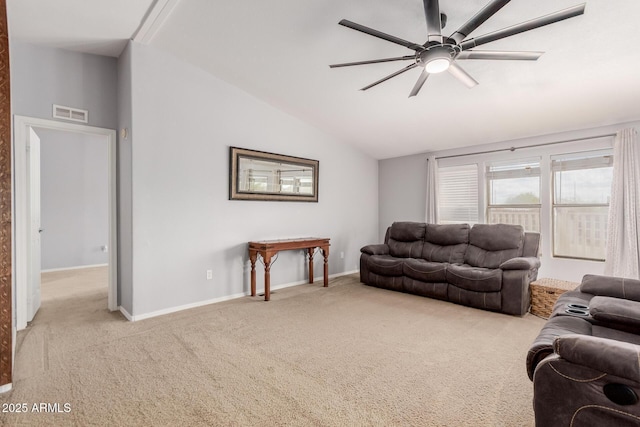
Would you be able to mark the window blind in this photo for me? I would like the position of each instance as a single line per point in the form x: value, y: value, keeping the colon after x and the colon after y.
x: 571, y: 162
x: 458, y: 194
x: 517, y: 169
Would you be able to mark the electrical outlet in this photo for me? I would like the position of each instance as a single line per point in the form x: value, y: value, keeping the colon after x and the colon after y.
x: 341, y: 255
x: 209, y: 274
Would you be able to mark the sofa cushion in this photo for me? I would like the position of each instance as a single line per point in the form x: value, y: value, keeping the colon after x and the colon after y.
x: 474, y: 278
x: 424, y: 271
x: 445, y: 243
x: 616, y: 310
x: 406, y: 239
x: 492, y: 244
x: 616, y: 287
x: 531, y: 245
x: 447, y: 234
x: 385, y: 265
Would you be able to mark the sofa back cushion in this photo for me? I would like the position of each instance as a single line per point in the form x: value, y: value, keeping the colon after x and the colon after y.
x: 616, y: 287
x: 492, y: 244
x: 445, y: 243
x: 531, y: 247
x: 406, y: 239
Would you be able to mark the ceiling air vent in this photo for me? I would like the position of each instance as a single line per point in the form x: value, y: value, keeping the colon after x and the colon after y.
x: 68, y: 113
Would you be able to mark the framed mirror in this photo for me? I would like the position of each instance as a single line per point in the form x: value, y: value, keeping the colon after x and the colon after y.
x: 257, y: 175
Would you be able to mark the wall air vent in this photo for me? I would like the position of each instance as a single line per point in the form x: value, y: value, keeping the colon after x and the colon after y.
x: 68, y: 113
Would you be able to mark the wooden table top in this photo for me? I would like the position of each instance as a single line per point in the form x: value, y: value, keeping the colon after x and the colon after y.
x: 296, y: 239
x: 295, y: 242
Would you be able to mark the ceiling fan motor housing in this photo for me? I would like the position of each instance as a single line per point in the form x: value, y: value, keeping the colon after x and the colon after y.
x: 437, y: 57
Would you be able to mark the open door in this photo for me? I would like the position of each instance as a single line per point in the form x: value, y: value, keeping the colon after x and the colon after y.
x: 27, y: 226
x: 34, y: 225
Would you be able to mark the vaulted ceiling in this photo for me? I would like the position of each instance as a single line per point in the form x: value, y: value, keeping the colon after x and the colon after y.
x: 279, y: 52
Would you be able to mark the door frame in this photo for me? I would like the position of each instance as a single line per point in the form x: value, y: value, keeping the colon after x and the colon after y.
x: 21, y: 126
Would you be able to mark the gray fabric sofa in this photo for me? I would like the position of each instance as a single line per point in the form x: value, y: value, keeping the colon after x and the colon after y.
x: 584, y: 364
x: 486, y: 266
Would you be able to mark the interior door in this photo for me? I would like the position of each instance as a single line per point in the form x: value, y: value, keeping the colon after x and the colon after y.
x: 34, y: 264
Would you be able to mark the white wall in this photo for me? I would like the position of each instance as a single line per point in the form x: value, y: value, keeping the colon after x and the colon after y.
x: 74, y: 199
x: 402, y: 193
x: 43, y: 76
x: 406, y: 171
x: 182, y: 221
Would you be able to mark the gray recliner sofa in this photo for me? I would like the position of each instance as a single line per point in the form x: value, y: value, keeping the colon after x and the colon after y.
x: 585, y: 363
x: 486, y: 266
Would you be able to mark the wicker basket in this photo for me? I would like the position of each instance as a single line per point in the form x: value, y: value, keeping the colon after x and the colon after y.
x: 545, y: 293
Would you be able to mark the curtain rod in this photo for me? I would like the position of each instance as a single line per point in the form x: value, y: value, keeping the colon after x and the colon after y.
x: 526, y: 146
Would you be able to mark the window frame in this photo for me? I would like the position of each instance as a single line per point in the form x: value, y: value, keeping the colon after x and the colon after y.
x: 543, y: 146
x: 553, y: 204
x: 491, y: 175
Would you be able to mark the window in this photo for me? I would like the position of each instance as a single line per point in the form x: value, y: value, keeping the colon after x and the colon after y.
x: 581, y: 195
x: 513, y: 190
x: 458, y: 194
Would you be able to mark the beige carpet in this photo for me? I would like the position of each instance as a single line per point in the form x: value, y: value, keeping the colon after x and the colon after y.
x: 347, y: 355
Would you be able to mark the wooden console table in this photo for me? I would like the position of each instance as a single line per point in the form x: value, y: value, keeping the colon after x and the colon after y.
x: 268, y: 248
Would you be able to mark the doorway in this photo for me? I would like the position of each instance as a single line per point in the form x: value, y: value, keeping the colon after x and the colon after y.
x: 26, y: 264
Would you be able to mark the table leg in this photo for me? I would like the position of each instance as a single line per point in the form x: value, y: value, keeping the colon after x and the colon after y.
x: 325, y: 252
x: 267, y: 277
x: 310, y: 252
x: 252, y: 257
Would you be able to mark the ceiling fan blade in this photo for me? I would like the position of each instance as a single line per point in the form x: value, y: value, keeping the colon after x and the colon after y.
x: 434, y: 26
x: 525, y: 26
x: 384, y: 79
x: 423, y: 78
x: 499, y: 54
x: 373, y: 61
x: 462, y: 75
x: 380, y: 35
x: 478, y: 19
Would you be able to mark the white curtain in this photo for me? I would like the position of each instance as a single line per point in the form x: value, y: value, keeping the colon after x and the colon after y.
x: 431, y: 216
x: 623, y: 240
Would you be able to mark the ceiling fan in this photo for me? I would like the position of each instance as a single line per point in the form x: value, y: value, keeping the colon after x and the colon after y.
x: 440, y: 53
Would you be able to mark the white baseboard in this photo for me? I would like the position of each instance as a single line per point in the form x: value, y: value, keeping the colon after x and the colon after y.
x: 78, y: 267
x: 184, y: 307
x: 126, y: 314
x: 5, y: 388
x: 162, y: 312
x: 346, y: 273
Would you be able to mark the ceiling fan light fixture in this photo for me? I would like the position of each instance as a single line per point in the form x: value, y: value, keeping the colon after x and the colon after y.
x: 437, y: 65
x: 436, y: 59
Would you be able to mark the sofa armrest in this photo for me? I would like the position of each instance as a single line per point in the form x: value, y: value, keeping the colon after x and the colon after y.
x: 515, y: 293
x: 379, y: 249
x: 521, y: 263
x: 616, y: 311
x: 588, y: 381
x: 605, y: 355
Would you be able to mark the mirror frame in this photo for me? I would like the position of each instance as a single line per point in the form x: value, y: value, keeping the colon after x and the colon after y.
x: 235, y: 153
